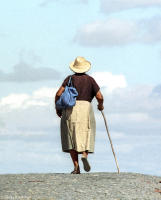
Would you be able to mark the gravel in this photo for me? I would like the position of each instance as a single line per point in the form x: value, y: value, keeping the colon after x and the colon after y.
x: 86, y: 186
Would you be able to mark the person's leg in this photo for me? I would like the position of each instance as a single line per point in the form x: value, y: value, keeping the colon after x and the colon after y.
x: 85, y: 161
x: 85, y: 154
x: 74, y: 156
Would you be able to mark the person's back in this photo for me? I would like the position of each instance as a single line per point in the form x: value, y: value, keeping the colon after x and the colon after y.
x: 85, y: 85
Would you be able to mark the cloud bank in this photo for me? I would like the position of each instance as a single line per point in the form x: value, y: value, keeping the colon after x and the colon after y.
x: 109, y: 81
x: 23, y: 72
x: 32, y: 138
x: 115, y: 5
x: 109, y: 32
x: 117, y: 32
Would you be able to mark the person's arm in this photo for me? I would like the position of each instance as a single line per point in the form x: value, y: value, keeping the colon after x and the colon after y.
x: 59, y: 93
x: 99, y: 98
x: 57, y: 96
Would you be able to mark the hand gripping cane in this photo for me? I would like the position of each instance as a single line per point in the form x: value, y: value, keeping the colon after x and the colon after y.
x: 110, y: 141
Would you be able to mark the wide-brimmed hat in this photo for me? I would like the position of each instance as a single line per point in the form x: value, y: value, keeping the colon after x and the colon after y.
x: 80, y: 65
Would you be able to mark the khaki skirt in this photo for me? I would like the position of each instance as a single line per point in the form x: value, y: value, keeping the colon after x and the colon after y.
x: 78, y: 128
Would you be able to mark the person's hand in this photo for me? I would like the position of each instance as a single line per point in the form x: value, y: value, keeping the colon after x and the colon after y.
x: 99, y: 98
x: 59, y: 113
x: 100, y: 107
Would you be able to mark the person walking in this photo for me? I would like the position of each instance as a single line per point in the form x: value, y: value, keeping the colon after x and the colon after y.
x: 78, y: 126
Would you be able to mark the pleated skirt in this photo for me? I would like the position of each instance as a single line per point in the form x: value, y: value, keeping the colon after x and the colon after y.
x: 78, y: 128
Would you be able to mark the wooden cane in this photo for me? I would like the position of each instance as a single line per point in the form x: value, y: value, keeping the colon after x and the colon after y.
x: 110, y: 141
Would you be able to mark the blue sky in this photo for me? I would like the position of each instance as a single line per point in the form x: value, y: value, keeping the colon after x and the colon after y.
x: 122, y: 40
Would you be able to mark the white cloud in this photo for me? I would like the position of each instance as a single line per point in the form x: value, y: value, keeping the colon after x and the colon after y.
x: 110, y: 32
x: 24, y: 114
x: 115, y: 5
x: 131, y: 99
x: 40, y: 97
x: 14, y: 100
x: 116, y: 32
x: 110, y: 81
x: 44, y: 93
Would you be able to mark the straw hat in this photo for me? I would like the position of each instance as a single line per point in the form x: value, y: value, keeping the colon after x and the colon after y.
x: 80, y: 65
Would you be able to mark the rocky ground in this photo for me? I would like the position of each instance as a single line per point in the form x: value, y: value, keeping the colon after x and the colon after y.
x: 87, y: 186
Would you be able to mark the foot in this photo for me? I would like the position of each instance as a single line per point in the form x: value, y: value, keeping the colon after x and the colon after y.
x: 157, y: 190
x: 76, y: 171
x: 86, y: 165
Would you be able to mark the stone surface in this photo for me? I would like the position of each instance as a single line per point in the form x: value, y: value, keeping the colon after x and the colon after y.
x: 90, y: 186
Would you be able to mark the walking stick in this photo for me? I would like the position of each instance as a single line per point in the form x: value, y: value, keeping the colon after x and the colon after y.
x: 110, y: 141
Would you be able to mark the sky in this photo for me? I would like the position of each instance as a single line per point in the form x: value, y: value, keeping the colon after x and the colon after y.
x: 122, y: 40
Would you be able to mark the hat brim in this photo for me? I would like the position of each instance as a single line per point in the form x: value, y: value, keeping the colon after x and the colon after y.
x: 85, y: 67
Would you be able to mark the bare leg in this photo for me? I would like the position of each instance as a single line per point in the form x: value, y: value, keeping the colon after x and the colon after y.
x: 85, y: 154
x: 74, y: 156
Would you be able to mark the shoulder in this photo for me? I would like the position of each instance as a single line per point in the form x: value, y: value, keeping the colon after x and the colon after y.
x: 94, y: 82
x: 67, y: 77
x: 66, y: 81
x: 90, y: 78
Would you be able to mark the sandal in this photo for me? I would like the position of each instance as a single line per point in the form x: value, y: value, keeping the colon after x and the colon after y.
x: 86, y: 165
x: 76, y: 171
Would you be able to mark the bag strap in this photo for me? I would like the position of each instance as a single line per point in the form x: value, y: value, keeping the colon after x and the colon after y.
x: 70, y: 81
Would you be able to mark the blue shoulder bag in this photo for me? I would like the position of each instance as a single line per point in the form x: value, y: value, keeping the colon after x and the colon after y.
x: 68, y: 97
